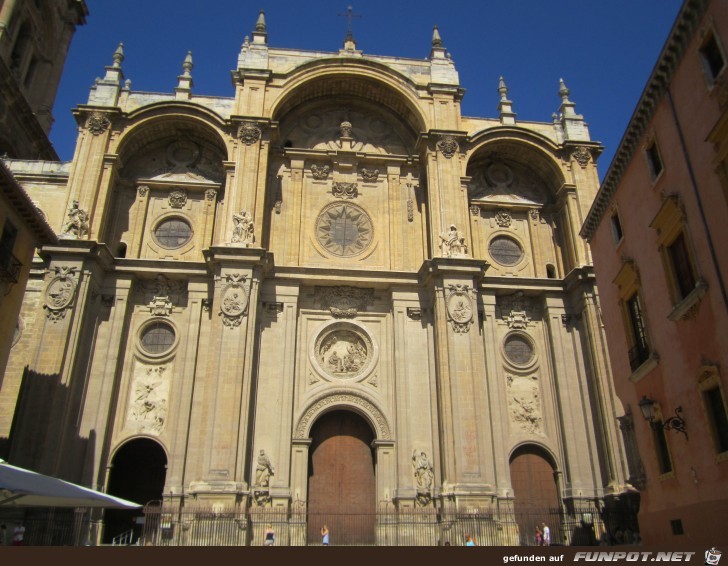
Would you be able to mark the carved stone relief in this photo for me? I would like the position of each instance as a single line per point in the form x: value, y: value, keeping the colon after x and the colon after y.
x: 60, y: 292
x: 343, y: 399
x: 143, y: 190
x: 582, y: 156
x: 148, y: 403
x: 369, y: 175
x: 97, y: 123
x: 344, y: 229
x: 424, y: 476
x: 503, y: 218
x: 77, y: 224
x: 343, y: 351
x: 362, y: 131
x: 344, y: 301
x: 453, y: 243
x: 320, y: 172
x: 345, y: 190
x: 211, y: 194
x: 448, y: 146
x: 234, y: 300
x: 459, y: 308
x: 177, y: 198
x: 499, y: 181
x: 516, y: 310
x: 524, y: 403
x: 162, y: 294
x: 249, y: 133
x: 243, y: 229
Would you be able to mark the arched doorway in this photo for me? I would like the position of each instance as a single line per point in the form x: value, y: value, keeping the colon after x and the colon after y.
x: 535, y: 493
x: 341, y: 480
x: 138, y: 473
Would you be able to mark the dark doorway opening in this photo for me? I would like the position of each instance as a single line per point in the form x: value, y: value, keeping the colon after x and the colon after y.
x: 341, y: 480
x: 138, y: 474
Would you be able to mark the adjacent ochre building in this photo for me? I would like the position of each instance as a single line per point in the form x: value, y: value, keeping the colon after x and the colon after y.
x: 658, y: 231
x: 329, y: 292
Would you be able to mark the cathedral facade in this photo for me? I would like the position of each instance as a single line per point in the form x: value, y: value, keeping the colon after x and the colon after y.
x: 331, y: 292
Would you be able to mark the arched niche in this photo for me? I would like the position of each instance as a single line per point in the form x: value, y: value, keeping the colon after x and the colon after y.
x: 170, y: 166
x: 515, y: 192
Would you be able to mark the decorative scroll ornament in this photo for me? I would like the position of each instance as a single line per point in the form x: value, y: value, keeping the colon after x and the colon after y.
x: 97, y: 123
x: 503, y: 218
x: 582, y: 156
x: 448, y: 146
x: 211, y: 194
x: 163, y: 293
x: 534, y: 212
x: 320, y: 173
x: 77, y: 223
x: 515, y: 310
x: 249, y: 133
x: 142, y: 190
x: 60, y: 292
x: 177, y: 199
x: 424, y: 477
x: 344, y: 301
x: 474, y: 210
x: 234, y: 300
x: 369, y: 175
x: 459, y: 308
x: 345, y: 190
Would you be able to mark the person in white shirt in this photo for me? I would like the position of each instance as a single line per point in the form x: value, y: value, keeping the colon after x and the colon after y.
x: 546, y: 534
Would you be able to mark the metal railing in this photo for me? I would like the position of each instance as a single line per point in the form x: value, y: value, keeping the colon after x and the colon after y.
x: 124, y: 539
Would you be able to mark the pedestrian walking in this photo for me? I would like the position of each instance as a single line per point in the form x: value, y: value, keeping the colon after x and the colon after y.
x: 269, y: 535
x: 325, y: 535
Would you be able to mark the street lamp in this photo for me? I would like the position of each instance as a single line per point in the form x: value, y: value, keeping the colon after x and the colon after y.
x: 676, y: 423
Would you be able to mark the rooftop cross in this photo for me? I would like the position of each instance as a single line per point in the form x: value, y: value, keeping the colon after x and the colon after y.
x: 350, y: 15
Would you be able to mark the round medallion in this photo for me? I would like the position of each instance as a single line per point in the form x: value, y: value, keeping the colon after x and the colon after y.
x: 60, y: 292
x: 183, y: 153
x: 234, y: 300
x: 344, y: 229
x: 499, y: 175
x: 459, y: 307
x: 344, y: 351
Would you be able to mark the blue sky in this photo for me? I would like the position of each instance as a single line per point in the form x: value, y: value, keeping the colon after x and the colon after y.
x: 604, y: 49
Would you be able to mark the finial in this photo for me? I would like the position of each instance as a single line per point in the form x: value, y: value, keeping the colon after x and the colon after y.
x: 436, y: 39
x: 246, y: 41
x: 119, y: 55
x: 187, y: 64
x: 563, y: 91
x: 260, y: 24
x: 502, y: 89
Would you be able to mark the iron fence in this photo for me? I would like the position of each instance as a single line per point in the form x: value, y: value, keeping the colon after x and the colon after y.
x: 197, y: 525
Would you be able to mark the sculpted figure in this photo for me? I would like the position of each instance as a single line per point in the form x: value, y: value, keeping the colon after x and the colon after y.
x: 264, y: 470
x: 243, y: 229
x: 77, y: 223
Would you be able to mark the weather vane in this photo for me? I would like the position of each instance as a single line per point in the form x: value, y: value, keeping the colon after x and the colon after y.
x: 350, y: 15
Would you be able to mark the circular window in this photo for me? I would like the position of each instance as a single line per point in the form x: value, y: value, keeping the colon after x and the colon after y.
x: 505, y: 251
x: 518, y: 349
x: 344, y: 230
x: 157, y: 338
x: 173, y: 232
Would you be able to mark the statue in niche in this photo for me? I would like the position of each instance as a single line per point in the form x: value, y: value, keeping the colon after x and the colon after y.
x: 264, y: 470
x: 243, y: 228
x: 77, y: 224
x: 453, y: 243
x: 424, y: 476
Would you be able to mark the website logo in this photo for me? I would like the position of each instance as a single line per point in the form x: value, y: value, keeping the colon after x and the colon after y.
x: 712, y: 557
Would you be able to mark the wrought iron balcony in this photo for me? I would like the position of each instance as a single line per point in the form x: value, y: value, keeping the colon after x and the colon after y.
x: 638, y: 355
x: 9, y: 266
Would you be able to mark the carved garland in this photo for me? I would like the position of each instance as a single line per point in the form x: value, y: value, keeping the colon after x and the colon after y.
x: 345, y: 190
x: 320, y: 173
x: 344, y: 301
x: 340, y: 398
